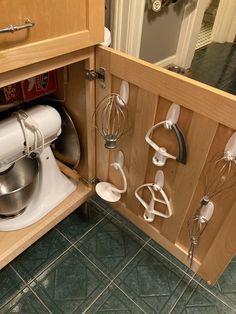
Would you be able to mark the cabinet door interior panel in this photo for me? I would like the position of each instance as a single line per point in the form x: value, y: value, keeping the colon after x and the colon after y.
x: 223, y: 201
x: 59, y: 27
x: 139, y: 157
x: 199, y: 138
x: 207, y: 120
x: 206, y: 100
x: 168, y: 140
x: 221, y: 250
x: 101, y: 153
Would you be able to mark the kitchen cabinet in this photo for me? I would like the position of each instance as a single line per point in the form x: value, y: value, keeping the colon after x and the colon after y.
x: 207, y: 120
x: 47, y: 29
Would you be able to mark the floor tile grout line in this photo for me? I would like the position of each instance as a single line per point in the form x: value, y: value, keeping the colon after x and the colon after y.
x: 39, y: 299
x: 178, y: 299
x: 129, y: 261
x: 198, y: 284
x: 16, y: 293
x: 100, y: 206
x: 147, y: 242
x: 190, y: 276
x: 28, y: 286
x: 129, y: 297
x: 97, y: 223
x: 75, y: 247
x: 104, y: 290
x: 64, y: 252
x: 133, y: 232
x: 214, y: 295
x: 100, y: 294
x: 110, y: 279
x: 109, y: 213
x: 86, y: 233
x: 48, y: 265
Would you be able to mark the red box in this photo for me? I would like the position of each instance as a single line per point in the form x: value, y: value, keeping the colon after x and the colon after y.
x: 39, y: 85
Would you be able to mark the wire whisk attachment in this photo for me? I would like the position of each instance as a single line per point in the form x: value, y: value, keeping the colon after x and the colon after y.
x: 219, y: 175
x: 111, y: 119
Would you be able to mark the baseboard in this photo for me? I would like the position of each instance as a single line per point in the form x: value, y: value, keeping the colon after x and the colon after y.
x: 166, y: 61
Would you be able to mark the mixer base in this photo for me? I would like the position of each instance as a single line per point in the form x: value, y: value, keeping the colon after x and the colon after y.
x: 52, y: 187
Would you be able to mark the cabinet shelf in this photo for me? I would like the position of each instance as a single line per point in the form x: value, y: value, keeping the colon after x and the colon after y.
x: 13, y: 243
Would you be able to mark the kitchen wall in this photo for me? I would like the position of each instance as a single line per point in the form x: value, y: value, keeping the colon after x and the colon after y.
x: 161, y: 32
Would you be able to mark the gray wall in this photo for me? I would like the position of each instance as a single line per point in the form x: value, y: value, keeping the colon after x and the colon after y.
x: 161, y: 32
x: 108, y: 14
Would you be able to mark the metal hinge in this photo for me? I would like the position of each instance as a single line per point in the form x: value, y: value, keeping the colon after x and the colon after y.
x: 92, y: 75
x: 94, y: 181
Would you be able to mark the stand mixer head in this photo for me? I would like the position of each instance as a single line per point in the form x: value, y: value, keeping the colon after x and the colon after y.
x: 20, y: 133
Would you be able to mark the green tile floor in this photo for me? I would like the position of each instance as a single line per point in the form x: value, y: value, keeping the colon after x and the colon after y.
x: 95, y: 261
x: 215, y: 65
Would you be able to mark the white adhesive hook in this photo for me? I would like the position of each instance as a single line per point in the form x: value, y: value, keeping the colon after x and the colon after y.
x: 172, y: 116
x: 206, y: 212
x: 157, y: 186
x: 230, y: 149
x: 123, y: 97
x: 108, y: 191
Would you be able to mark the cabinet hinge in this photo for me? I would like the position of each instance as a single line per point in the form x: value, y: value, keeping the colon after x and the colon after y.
x: 92, y: 75
x: 94, y: 181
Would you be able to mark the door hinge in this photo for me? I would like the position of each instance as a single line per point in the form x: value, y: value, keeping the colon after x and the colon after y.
x: 92, y: 75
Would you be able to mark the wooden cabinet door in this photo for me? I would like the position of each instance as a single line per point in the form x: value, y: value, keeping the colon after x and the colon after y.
x: 207, y: 119
x: 59, y: 27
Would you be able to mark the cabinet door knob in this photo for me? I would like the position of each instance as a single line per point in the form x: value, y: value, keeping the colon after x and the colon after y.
x: 14, y: 28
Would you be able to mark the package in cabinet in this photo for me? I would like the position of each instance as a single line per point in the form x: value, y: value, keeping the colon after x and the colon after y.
x: 39, y: 85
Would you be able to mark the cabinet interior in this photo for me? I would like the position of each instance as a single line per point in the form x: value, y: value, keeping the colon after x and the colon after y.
x: 74, y: 93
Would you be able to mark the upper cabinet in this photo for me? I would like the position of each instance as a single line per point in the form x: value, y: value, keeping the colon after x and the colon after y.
x: 32, y: 31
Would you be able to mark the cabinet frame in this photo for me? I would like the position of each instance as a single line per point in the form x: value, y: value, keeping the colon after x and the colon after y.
x: 32, y: 53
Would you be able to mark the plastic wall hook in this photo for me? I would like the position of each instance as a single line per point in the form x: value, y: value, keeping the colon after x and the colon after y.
x: 108, y: 191
x: 159, y: 181
x: 172, y: 116
x: 206, y: 212
x: 123, y: 97
x: 230, y: 149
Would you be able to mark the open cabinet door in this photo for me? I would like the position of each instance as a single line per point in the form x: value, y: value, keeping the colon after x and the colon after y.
x: 207, y: 120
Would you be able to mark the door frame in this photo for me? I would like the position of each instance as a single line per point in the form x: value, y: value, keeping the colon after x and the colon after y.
x: 224, y: 29
x: 191, y: 25
x: 126, y: 25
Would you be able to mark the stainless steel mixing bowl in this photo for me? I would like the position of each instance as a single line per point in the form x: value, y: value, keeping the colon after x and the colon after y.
x: 17, y: 186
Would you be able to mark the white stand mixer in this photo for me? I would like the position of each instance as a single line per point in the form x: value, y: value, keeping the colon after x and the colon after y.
x: 52, y: 187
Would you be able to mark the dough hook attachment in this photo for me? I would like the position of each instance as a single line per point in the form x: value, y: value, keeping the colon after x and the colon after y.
x: 108, y: 191
x: 161, y: 155
x: 150, y: 212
